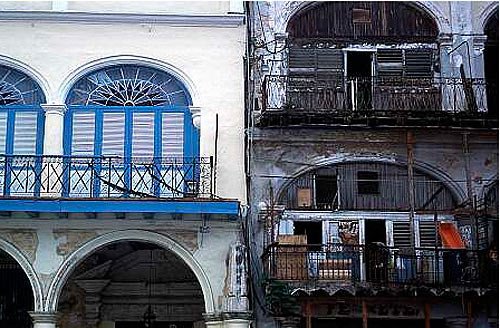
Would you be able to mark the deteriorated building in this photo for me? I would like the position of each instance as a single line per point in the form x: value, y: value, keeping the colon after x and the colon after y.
x: 373, y: 163
x: 121, y: 165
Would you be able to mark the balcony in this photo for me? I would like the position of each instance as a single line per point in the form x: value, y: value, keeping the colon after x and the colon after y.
x: 376, y: 101
x: 380, y: 266
x: 74, y: 184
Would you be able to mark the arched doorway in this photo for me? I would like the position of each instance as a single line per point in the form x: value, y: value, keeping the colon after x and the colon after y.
x: 131, y: 284
x: 16, y: 296
x: 491, y: 64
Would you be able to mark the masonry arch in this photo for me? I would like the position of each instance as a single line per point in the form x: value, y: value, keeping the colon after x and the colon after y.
x: 29, y: 271
x: 31, y: 72
x: 71, y: 263
x: 436, y: 174
x: 97, y: 64
x: 292, y: 8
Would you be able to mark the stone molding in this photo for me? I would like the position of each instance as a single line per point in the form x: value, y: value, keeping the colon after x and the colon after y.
x: 54, y: 109
x: 229, y: 20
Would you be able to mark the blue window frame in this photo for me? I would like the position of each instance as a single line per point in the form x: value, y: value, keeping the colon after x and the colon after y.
x: 21, y: 131
x: 138, y: 114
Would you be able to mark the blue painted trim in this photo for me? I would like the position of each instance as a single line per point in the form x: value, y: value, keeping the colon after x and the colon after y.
x: 98, y: 124
x: 119, y: 206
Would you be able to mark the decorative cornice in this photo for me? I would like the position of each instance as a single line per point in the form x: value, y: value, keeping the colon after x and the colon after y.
x: 196, y: 115
x: 229, y: 20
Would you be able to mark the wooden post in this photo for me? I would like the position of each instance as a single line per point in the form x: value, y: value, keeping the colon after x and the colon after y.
x: 427, y: 314
x: 410, y: 141
x: 469, y: 314
x: 365, y: 314
x: 308, y: 314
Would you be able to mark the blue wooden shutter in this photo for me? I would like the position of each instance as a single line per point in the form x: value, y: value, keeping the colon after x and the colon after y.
x: 25, y: 133
x: 3, y: 131
x: 113, y: 134
x: 82, y: 142
x: 172, y: 135
x: 143, y: 134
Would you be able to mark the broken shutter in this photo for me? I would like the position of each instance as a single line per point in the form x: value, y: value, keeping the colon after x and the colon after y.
x: 411, y: 63
x: 427, y: 230
x: 401, y: 234
x: 390, y: 62
x: 324, y: 62
x: 418, y: 63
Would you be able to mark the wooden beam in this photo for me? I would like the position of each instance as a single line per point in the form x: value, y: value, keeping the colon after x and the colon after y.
x: 365, y: 314
x: 427, y: 314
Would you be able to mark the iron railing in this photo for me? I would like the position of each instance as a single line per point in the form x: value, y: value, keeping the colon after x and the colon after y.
x: 105, y: 177
x: 345, y: 95
x: 388, y: 266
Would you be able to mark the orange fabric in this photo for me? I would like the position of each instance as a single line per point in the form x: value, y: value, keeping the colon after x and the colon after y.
x: 450, y: 236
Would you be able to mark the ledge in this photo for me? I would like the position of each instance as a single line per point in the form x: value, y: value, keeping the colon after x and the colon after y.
x: 230, y: 20
x: 226, y: 207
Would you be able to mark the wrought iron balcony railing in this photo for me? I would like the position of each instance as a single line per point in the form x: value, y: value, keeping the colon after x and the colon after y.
x: 105, y: 177
x: 380, y: 265
x: 348, y: 95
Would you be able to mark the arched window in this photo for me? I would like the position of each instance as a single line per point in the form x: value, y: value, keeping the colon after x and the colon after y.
x: 129, y: 111
x: 132, y: 129
x: 21, y: 117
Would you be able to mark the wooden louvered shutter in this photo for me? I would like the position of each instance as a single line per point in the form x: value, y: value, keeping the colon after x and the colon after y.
x: 330, y: 64
x: 3, y: 131
x: 82, y: 142
x: 418, y: 63
x: 401, y: 234
x: 143, y: 134
x: 172, y: 134
x: 113, y: 134
x: 301, y: 61
x: 427, y: 230
x: 390, y: 63
x: 25, y: 133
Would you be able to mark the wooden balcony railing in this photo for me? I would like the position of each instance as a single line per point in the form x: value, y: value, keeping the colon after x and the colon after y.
x: 105, y: 177
x: 385, y: 266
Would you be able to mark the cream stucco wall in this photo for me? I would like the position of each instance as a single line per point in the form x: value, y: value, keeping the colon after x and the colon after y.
x: 158, y: 7
x: 211, y: 58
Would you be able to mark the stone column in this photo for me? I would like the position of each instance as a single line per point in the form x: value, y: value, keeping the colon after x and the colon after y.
x: 54, y: 123
x: 53, y: 145
x: 43, y: 319
x: 213, y: 321
x: 237, y: 319
x: 93, y: 289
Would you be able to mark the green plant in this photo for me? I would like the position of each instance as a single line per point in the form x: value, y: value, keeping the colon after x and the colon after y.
x: 279, y: 300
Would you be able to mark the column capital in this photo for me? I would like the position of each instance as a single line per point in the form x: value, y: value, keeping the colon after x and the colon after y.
x: 43, y: 317
x: 196, y: 114
x: 58, y: 109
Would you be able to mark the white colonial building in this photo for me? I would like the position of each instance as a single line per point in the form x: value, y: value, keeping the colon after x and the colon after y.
x: 122, y: 164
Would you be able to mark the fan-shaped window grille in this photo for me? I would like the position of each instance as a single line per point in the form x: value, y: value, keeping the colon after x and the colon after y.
x: 17, y: 88
x: 21, y: 117
x: 128, y: 85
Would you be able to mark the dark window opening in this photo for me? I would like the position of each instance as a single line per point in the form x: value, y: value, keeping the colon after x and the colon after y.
x: 326, y: 192
x: 313, y: 231
x: 368, y: 183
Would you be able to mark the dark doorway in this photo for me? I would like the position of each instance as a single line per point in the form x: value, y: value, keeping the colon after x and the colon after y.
x: 16, y: 297
x: 326, y: 192
x: 359, y: 72
x: 313, y: 230
x: 376, y: 254
x: 337, y: 323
